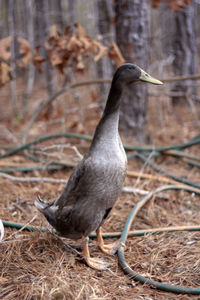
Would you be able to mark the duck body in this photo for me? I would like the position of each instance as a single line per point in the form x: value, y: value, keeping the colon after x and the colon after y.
x: 91, y: 193
x: 93, y: 187
x: 96, y: 182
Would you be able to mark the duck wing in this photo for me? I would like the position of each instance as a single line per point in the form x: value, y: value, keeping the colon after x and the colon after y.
x: 76, y: 184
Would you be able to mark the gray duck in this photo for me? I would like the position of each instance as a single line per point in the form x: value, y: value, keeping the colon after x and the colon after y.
x: 96, y: 182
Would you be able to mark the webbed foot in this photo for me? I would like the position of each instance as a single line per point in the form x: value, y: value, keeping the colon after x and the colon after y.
x: 93, y: 263
x: 109, y: 249
x: 96, y: 263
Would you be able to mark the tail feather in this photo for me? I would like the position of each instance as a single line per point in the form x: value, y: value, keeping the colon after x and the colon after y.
x: 48, y: 210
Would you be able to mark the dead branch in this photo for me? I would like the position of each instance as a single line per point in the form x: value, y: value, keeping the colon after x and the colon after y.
x: 181, y: 78
x: 152, y: 177
x: 32, y: 179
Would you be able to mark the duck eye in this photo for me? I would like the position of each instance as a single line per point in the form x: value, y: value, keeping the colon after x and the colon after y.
x: 131, y: 68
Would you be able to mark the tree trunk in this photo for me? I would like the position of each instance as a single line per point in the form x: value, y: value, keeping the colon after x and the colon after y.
x: 12, y: 32
x: 56, y: 13
x: 185, y: 53
x: 107, y: 34
x: 132, y: 29
x: 29, y: 29
x: 48, y: 67
x: 42, y: 24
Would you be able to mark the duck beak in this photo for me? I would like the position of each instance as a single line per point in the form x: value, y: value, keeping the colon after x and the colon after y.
x: 146, y: 77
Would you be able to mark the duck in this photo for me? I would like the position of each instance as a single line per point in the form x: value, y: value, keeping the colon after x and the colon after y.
x: 96, y: 182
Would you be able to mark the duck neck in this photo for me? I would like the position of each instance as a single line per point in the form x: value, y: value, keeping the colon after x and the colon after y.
x: 113, y: 102
x: 107, y: 129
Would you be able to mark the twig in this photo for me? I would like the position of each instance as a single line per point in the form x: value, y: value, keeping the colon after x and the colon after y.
x: 74, y: 148
x: 22, y: 228
x: 185, y: 182
x: 181, y: 154
x: 181, y: 78
x: 32, y: 168
x: 9, y: 134
x: 152, y: 177
x: 131, y: 190
x: 142, y: 169
x: 32, y: 179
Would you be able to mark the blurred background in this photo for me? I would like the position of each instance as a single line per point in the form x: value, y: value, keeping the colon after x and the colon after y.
x: 57, y: 60
x: 48, y: 45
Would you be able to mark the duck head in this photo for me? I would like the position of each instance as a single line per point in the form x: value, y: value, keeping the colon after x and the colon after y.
x: 129, y: 73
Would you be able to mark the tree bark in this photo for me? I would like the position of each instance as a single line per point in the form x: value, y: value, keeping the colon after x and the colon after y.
x: 185, y: 52
x: 106, y: 28
x: 132, y: 29
x: 12, y: 32
x: 56, y: 13
x: 42, y: 23
x: 29, y: 29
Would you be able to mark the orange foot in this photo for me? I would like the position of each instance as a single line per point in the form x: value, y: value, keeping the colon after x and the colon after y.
x: 93, y: 263
x: 109, y: 249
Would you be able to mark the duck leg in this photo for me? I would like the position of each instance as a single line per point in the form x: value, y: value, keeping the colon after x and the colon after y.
x: 109, y: 249
x: 93, y: 263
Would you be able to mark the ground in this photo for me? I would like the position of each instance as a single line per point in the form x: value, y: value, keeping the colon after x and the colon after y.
x: 37, y: 265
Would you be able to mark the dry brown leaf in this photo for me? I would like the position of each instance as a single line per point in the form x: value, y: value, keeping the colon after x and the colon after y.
x: 24, y: 51
x: 62, y: 43
x: 173, y: 4
x: 155, y: 3
x: 55, y: 59
x: 74, y: 44
x: 37, y: 59
x: 61, y: 50
x: 100, y: 49
x: 67, y: 31
x: 53, y: 33
x: 177, y: 4
x: 5, y: 73
x: 81, y: 33
x: 80, y: 128
x: 115, y: 54
x: 86, y: 44
x: 80, y: 65
x: 5, y: 48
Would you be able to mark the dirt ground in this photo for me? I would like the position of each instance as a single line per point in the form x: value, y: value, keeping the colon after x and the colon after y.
x: 36, y: 265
